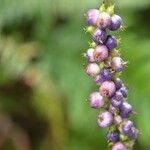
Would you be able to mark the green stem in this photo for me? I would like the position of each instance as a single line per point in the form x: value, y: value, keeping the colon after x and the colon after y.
x: 107, y: 3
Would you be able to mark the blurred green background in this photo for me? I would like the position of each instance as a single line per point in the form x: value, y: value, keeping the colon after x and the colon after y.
x: 43, y: 86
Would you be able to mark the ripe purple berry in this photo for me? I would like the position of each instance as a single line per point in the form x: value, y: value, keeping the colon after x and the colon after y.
x: 117, y: 99
x: 112, y: 136
x: 124, y: 91
x: 100, y: 53
x: 125, y: 110
x: 133, y: 133
x: 107, y: 88
x: 92, y: 16
x: 119, y: 146
x: 99, y: 36
x: 104, y: 20
x: 92, y: 69
x: 105, y: 119
x: 96, y: 100
x: 111, y: 42
x: 90, y: 55
x: 106, y: 75
x: 116, y: 22
x: 117, y: 64
x: 127, y: 127
x: 118, y: 82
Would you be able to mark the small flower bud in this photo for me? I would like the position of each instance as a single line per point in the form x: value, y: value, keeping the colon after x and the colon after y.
x: 105, y: 119
x: 103, y: 20
x: 90, y: 55
x: 127, y: 127
x: 100, y: 53
x: 96, y: 100
x: 92, y: 69
x: 117, y: 99
x: 99, y: 36
x: 116, y: 22
x: 112, y: 136
x: 90, y: 29
x: 125, y: 110
x: 107, y: 88
x: 111, y: 42
x: 92, y: 16
x: 118, y: 82
x: 119, y: 146
x: 124, y: 91
x: 117, y: 64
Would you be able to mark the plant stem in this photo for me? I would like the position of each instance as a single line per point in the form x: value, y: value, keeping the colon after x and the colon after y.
x: 107, y: 3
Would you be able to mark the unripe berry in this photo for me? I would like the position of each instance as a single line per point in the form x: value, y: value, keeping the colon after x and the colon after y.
x: 96, y: 100
x: 92, y: 69
x: 117, y: 99
x: 125, y: 110
x: 116, y: 22
x: 100, y: 53
x: 90, y: 55
x: 99, y: 36
x: 119, y: 146
x: 111, y: 42
x: 117, y: 64
x: 112, y: 136
x: 107, y: 88
x: 92, y: 16
x: 103, y: 20
x: 105, y: 119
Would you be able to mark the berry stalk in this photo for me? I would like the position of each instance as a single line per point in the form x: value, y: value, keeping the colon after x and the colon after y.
x: 104, y: 65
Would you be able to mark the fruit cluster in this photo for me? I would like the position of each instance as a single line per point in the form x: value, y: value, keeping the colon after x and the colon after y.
x: 104, y: 64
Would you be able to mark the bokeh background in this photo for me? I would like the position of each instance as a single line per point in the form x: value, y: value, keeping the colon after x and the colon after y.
x: 43, y: 86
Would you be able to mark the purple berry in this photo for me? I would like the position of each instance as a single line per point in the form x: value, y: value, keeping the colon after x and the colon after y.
x: 125, y: 110
x: 119, y: 146
x: 92, y: 69
x: 92, y: 16
x: 116, y: 22
x: 96, y: 100
x: 117, y: 64
x: 111, y: 42
x: 117, y: 120
x: 133, y: 133
x: 104, y: 20
x: 99, y: 36
x: 124, y: 91
x: 112, y: 136
x: 117, y: 99
x: 99, y: 79
x: 107, y: 88
x: 90, y: 55
x: 127, y: 127
x: 106, y: 75
x: 100, y: 53
x: 118, y: 82
x: 105, y: 119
